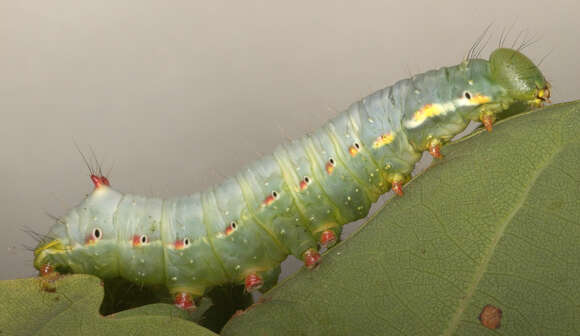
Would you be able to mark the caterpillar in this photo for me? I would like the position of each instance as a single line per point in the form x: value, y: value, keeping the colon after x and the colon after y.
x: 294, y: 201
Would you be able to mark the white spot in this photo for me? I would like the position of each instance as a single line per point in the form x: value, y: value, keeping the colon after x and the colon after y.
x: 470, y: 82
x: 417, y: 92
x: 356, y: 190
x: 142, y: 261
x: 191, y: 261
x: 174, y: 278
x: 371, y: 120
x: 282, y: 231
x: 238, y: 267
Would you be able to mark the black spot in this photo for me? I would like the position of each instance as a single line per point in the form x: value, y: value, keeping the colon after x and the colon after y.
x: 307, y: 179
x: 275, y: 194
x: 143, y: 239
x: 234, y: 225
x: 331, y: 161
x: 97, y: 234
x: 186, y: 241
x: 467, y: 94
x: 356, y: 145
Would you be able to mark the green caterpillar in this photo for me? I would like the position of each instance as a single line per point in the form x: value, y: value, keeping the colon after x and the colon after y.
x: 293, y: 201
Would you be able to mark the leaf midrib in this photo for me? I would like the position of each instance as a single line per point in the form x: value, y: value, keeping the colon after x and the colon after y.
x: 464, y: 302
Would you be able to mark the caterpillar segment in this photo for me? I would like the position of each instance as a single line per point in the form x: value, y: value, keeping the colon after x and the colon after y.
x: 293, y: 201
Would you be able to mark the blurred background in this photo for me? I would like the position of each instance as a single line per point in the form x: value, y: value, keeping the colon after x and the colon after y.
x: 176, y: 95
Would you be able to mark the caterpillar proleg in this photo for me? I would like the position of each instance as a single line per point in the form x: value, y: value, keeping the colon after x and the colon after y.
x: 293, y: 201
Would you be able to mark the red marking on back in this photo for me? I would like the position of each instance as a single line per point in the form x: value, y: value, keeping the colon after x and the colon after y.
x: 99, y: 181
x: 303, y: 185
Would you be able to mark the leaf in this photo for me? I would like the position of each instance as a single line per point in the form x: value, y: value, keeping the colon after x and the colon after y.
x: 492, y: 229
x: 73, y: 309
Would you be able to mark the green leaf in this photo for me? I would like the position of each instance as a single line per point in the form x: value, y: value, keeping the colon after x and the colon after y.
x: 496, y: 222
x: 73, y: 309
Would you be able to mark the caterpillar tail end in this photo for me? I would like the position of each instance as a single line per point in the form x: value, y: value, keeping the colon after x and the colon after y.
x: 183, y: 300
x: 311, y: 258
x: 253, y: 282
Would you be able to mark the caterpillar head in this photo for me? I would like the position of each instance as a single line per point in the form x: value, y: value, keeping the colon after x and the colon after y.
x: 507, y: 84
x: 519, y: 77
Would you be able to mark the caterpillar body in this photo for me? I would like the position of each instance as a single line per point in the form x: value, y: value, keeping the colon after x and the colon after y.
x: 290, y: 202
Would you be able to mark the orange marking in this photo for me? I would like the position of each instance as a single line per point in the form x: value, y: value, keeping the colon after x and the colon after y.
x: 229, y: 230
x: 352, y: 151
x: 428, y: 111
x: 178, y: 245
x: 137, y: 240
x: 384, y: 139
x: 90, y: 240
x: 269, y: 200
x: 303, y: 185
x: 329, y: 168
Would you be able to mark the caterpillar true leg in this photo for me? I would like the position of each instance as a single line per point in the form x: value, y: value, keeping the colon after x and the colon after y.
x: 435, y: 149
x: 48, y: 277
x: 487, y: 120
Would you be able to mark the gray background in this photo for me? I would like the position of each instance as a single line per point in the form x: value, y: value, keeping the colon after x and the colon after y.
x: 179, y: 94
